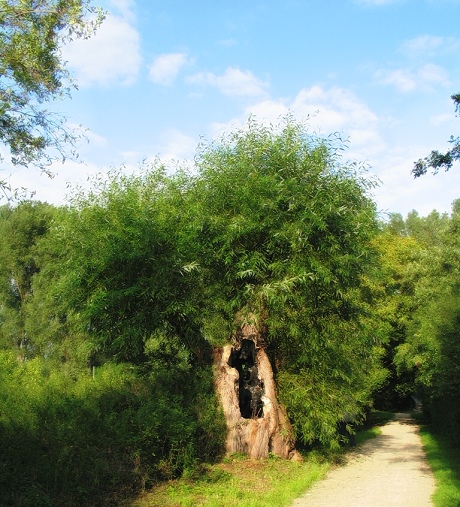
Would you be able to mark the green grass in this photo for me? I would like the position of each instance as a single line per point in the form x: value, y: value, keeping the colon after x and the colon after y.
x: 240, y: 482
x: 445, y: 463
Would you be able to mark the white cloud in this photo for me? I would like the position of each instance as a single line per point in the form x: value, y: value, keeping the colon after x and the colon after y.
x: 326, y: 111
x: 233, y: 82
x: 95, y: 139
x: 339, y: 109
x: 442, y: 119
x: 175, y: 145
x: 228, y: 42
x: 400, y: 192
x: 111, y: 56
x: 403, y: 79
x: 429, y: 45
x: 53, y: 190
x: 125, y: 8
x: 433, y: 74
x: 408, y: 80
x: 375, y: 2
x: 164, y: 69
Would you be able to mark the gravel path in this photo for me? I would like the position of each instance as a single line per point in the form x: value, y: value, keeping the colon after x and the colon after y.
x: 385, y: 471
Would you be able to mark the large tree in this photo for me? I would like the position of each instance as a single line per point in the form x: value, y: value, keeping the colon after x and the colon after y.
x: 114, y: 276
x: 437, y: 160
x: 282, y: 230
x: 262, y: 255
x: 33, y: 74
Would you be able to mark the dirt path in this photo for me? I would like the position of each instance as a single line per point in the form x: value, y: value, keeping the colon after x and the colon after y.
x: 385, y: 471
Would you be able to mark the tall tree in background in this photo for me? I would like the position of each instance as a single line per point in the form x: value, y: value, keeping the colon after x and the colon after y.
x: 21, y: 228
x: 400, y: 251
x: 431, y: 350
x: 437, y: 160
x: 33, y: 74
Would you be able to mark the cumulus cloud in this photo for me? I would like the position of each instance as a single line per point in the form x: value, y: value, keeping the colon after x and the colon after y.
x: 430, y: 45
x: 164, y: 68
x: 339, y: 109
x: 111, y: 56
x: 400, y: 192
x: 233, y: 82
x: 408, y: 80
x: 175, y: 145
x: 125, y: 8
x: 325, y: 111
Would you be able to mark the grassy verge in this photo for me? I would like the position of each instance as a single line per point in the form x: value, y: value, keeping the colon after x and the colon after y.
x: 239, y: 482
x: 445, y: 463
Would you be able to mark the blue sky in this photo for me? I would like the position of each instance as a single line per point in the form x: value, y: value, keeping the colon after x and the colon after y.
x: 160, y: 74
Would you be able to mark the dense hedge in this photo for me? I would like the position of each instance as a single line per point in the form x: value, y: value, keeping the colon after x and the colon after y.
x: 91, y: 441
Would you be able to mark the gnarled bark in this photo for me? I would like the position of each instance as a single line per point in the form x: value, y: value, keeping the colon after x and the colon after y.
x: 256, y: 423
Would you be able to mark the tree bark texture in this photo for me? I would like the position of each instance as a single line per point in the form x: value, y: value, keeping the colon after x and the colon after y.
x: 256, y: 423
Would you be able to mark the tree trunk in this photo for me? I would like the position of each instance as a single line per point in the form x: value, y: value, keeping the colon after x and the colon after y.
x: 256, y: 423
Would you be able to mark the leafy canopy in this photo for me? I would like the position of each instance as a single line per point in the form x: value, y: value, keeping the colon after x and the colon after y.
x: 280, y: 228
x: 437, y: 160
x: 270, y: 223
x: 430, y: 351
x: 32, y: 74
x: 21, y: 228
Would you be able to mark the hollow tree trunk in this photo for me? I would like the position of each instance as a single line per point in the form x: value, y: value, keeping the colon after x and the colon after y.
x: 256, y: 423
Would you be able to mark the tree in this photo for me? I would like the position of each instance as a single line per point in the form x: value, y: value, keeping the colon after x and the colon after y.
x: 260, y: 259
x: 116, y: 277
x: 281, y: 231
x: 21, y: 228
x: 33, y: 74
x: 437, y: 160
x: 399, y: 250
x: 431, y: 350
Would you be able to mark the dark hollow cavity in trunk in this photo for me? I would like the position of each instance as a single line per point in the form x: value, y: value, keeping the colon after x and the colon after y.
x: 251, y: 388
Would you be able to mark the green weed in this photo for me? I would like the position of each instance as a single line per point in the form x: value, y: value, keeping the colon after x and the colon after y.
x: 240, y: 482
x: 445, y: 463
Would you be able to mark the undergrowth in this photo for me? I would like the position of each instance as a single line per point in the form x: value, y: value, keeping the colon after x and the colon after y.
x: 238, y: 481
x: 444, y: 460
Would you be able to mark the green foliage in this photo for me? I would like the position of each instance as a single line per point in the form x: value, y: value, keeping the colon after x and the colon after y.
x: 92, y: 441
x: 445, y: 463
x: 282, y: 230
x: 120, y: 276
x: 399, y: 252
x: 21, y: 228
x: 437, y: 160
x: 143, y: 275
x: 431, y: 351
x: 33, y: 73
x: 234, y: 482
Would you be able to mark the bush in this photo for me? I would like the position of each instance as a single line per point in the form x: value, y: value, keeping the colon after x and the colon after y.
x: 94, y: 441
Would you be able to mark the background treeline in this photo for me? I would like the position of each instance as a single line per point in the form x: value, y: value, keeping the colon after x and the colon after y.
x: 110, y: 308
x: 420, y: 266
